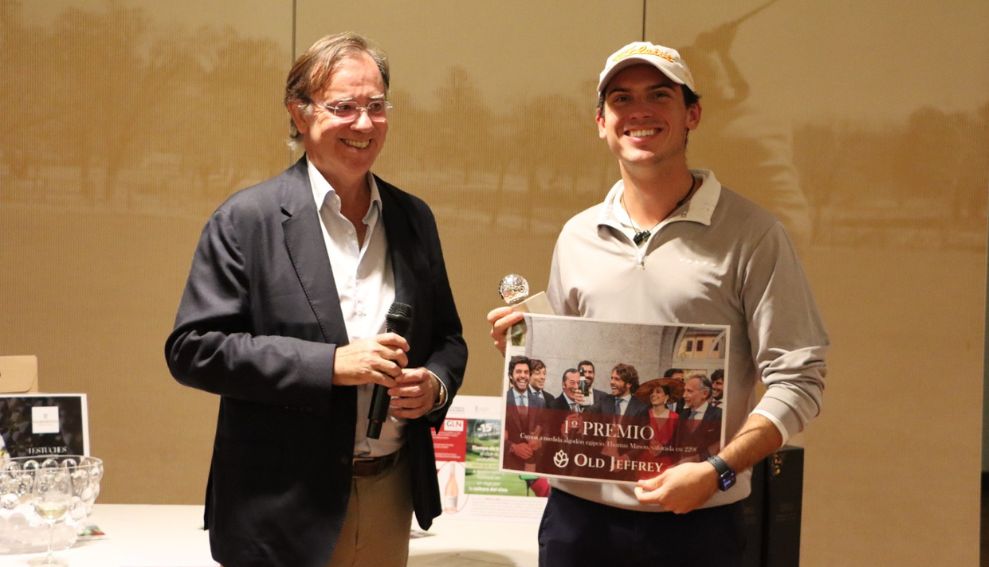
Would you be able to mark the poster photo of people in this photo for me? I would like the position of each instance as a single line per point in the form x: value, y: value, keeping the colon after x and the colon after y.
x: 610, y: 401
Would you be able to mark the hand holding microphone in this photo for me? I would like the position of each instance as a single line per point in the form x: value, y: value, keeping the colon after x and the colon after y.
x: 397, y: 321
x: 377, y: 360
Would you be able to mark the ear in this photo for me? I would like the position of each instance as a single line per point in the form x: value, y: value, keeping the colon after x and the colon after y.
x: 299, y: 116
x: 694, y: 115
x: 599, y: 119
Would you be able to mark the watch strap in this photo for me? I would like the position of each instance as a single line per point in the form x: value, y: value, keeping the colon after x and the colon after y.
x: 726, y: 476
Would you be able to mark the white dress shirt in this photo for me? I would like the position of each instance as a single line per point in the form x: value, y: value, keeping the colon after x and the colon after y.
x: 698, y: 413
x: 521, y: 398
x: 365, y: 283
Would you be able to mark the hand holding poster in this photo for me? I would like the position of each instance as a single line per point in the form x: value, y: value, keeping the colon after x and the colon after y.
x: 615, y: 402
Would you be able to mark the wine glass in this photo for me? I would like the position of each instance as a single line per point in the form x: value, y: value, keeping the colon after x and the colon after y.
x: 51, y: 497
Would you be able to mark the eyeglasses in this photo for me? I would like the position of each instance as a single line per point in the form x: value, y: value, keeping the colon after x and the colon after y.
x: 350, y: 110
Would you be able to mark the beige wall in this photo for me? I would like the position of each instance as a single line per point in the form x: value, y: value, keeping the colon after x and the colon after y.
x: 862, y: 125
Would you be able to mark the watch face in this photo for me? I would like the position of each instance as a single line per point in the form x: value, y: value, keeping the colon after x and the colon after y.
x: 726, y: 480
x: 726, y: 476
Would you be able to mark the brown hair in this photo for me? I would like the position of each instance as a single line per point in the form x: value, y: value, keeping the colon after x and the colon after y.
x: 672, y: 387
x: 628, y: 374
x: 314, y: 68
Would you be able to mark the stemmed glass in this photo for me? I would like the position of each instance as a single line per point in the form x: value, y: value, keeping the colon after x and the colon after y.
x: 51, y: 497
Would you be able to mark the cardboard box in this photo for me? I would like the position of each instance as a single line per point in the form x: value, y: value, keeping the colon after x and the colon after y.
x: 18, y: 374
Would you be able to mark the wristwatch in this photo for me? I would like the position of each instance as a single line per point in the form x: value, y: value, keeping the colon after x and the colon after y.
x: 440, y: 392
x: 726, y: 476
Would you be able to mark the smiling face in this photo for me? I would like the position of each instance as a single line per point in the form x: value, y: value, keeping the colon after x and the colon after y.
x: 538, y: 378
x: 520, y: 377
x: 658, y: 397
x: 619, y: 387
x: 694, y: 393
x: 645, y: 120
x: 344, y: 150
x: 571, y: 384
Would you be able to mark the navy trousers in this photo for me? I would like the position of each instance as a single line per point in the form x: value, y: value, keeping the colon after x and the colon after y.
x: 575, y: 532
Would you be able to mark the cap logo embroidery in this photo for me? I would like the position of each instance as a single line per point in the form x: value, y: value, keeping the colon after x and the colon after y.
x: 644, y: 50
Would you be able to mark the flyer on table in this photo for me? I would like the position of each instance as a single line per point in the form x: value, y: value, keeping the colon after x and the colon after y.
x: 471, y: 482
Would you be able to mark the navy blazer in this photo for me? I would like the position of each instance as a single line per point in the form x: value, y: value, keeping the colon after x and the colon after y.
x: 258, y: 324
x: 636, y: 409
x: 704, y: 438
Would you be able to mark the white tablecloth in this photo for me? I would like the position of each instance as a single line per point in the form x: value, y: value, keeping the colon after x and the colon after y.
x: 139, y: 535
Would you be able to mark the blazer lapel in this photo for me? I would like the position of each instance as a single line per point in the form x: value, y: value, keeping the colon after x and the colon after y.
x: 400, y: 244
x: 307, y: 251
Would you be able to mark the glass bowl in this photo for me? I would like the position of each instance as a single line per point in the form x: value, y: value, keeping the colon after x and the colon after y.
x: 22, y: 530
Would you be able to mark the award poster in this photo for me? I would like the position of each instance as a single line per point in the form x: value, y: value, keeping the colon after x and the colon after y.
x: 471, y: 482
x: 35, y: 425
x: 606, y: 411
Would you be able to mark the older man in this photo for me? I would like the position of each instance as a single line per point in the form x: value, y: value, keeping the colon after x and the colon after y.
x: 700, y: 421
x: 283, y: 317
x: 686, y: 250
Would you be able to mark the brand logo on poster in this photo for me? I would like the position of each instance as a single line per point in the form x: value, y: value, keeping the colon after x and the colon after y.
x: 44, y: 419
x: 561, y: 459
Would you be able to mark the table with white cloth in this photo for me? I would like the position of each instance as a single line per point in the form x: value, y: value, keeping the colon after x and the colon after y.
x: 145, y: 535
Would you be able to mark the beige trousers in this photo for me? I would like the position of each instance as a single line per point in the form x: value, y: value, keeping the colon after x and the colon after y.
x: 375, y: 532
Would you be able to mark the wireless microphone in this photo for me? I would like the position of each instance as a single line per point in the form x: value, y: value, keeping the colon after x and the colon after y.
x: 397, y: 321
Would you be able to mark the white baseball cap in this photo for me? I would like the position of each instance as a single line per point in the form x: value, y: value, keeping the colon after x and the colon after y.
x: 666, y: 59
